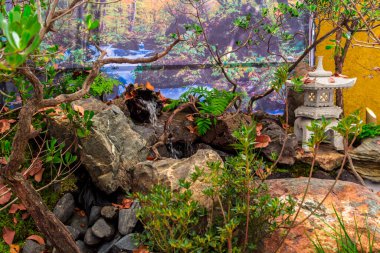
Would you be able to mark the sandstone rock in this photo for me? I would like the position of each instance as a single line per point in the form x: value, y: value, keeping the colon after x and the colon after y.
x: 168, y: 171
x: 278, y: 136
x: 112, y: 149
x: 128, y: 219
x: 352, y: 201
x: 103, y: 229
x: 327, y: 157
x: 64, y: 207
x: 366, y: 159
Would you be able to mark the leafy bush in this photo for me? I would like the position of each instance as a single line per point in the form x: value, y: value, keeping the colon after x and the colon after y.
x: 210, y: 102
x: 72, y: 82
x: 242, y: 211
x: 369, y: 131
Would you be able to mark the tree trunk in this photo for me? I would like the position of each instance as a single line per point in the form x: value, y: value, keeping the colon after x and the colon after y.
x: 45, y: 220
x: 339, y: 59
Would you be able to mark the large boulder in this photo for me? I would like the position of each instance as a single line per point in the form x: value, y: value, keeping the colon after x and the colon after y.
x: 366, y: 159
x: 112, y: 149
x: 278, y: 137
x: 357, y: 204
x: 168, y: 171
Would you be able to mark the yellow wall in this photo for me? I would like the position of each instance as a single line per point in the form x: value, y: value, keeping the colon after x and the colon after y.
x: 359, y: 63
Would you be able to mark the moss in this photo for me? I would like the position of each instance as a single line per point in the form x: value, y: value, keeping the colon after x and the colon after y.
x: 23, y: 228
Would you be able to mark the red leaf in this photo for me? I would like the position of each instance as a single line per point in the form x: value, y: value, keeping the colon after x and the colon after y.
x: 5, y: 194
x: 262, y: 141
x: 15, y: 207
x: 37, y: 238
x: 8, y: 235
x: 15, y: 221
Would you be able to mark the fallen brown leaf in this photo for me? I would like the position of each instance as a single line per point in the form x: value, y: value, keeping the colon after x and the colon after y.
x: 5, y: 194
x: 15, y: 207
x: 190, y: 117
x: 5, y: 125
x: 262, y: 141
x: 141, y: 249
x: 14, y: 248
x: 8, y: 235
x: 37, y: 238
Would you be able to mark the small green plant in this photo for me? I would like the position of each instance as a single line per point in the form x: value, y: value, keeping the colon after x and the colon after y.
x: 70, y: 83
x: 346, y: 243
x: 211, y: 103
x: 242, y: 211
x: 81, y: 123
x: 369, y: 131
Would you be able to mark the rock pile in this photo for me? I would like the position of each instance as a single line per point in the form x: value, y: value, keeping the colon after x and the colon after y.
x: 106, y: 229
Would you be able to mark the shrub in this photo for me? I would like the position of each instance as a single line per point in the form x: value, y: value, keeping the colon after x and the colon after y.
x: 243, y: 212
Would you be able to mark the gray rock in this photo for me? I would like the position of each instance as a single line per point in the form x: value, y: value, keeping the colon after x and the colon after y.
x: 94, y: 215
x: 126, y: 244
x: 168, y: 171
x: 103, y: 229
x: 91, y: 239
x: 128, y: 219
x: 109, y: 212
x: 366, y: 159
x: 278, y: 136
x: 107, y: 247
x: 112, y: 149
x: 80, y: 223
x: 31, y: 246
x: 82, y: 247
x: 64, y: 207
x: 73, y: 231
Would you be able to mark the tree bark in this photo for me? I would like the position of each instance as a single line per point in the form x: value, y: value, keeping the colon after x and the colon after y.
x: 45, y: 220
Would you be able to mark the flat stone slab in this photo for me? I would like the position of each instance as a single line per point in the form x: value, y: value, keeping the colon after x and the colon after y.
x: 327, y: 157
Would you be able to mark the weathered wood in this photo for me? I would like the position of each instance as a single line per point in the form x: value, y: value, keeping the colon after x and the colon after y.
x: 44, y: 219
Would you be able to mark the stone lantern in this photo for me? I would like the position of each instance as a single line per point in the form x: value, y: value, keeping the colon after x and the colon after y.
x: 318, y: 103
